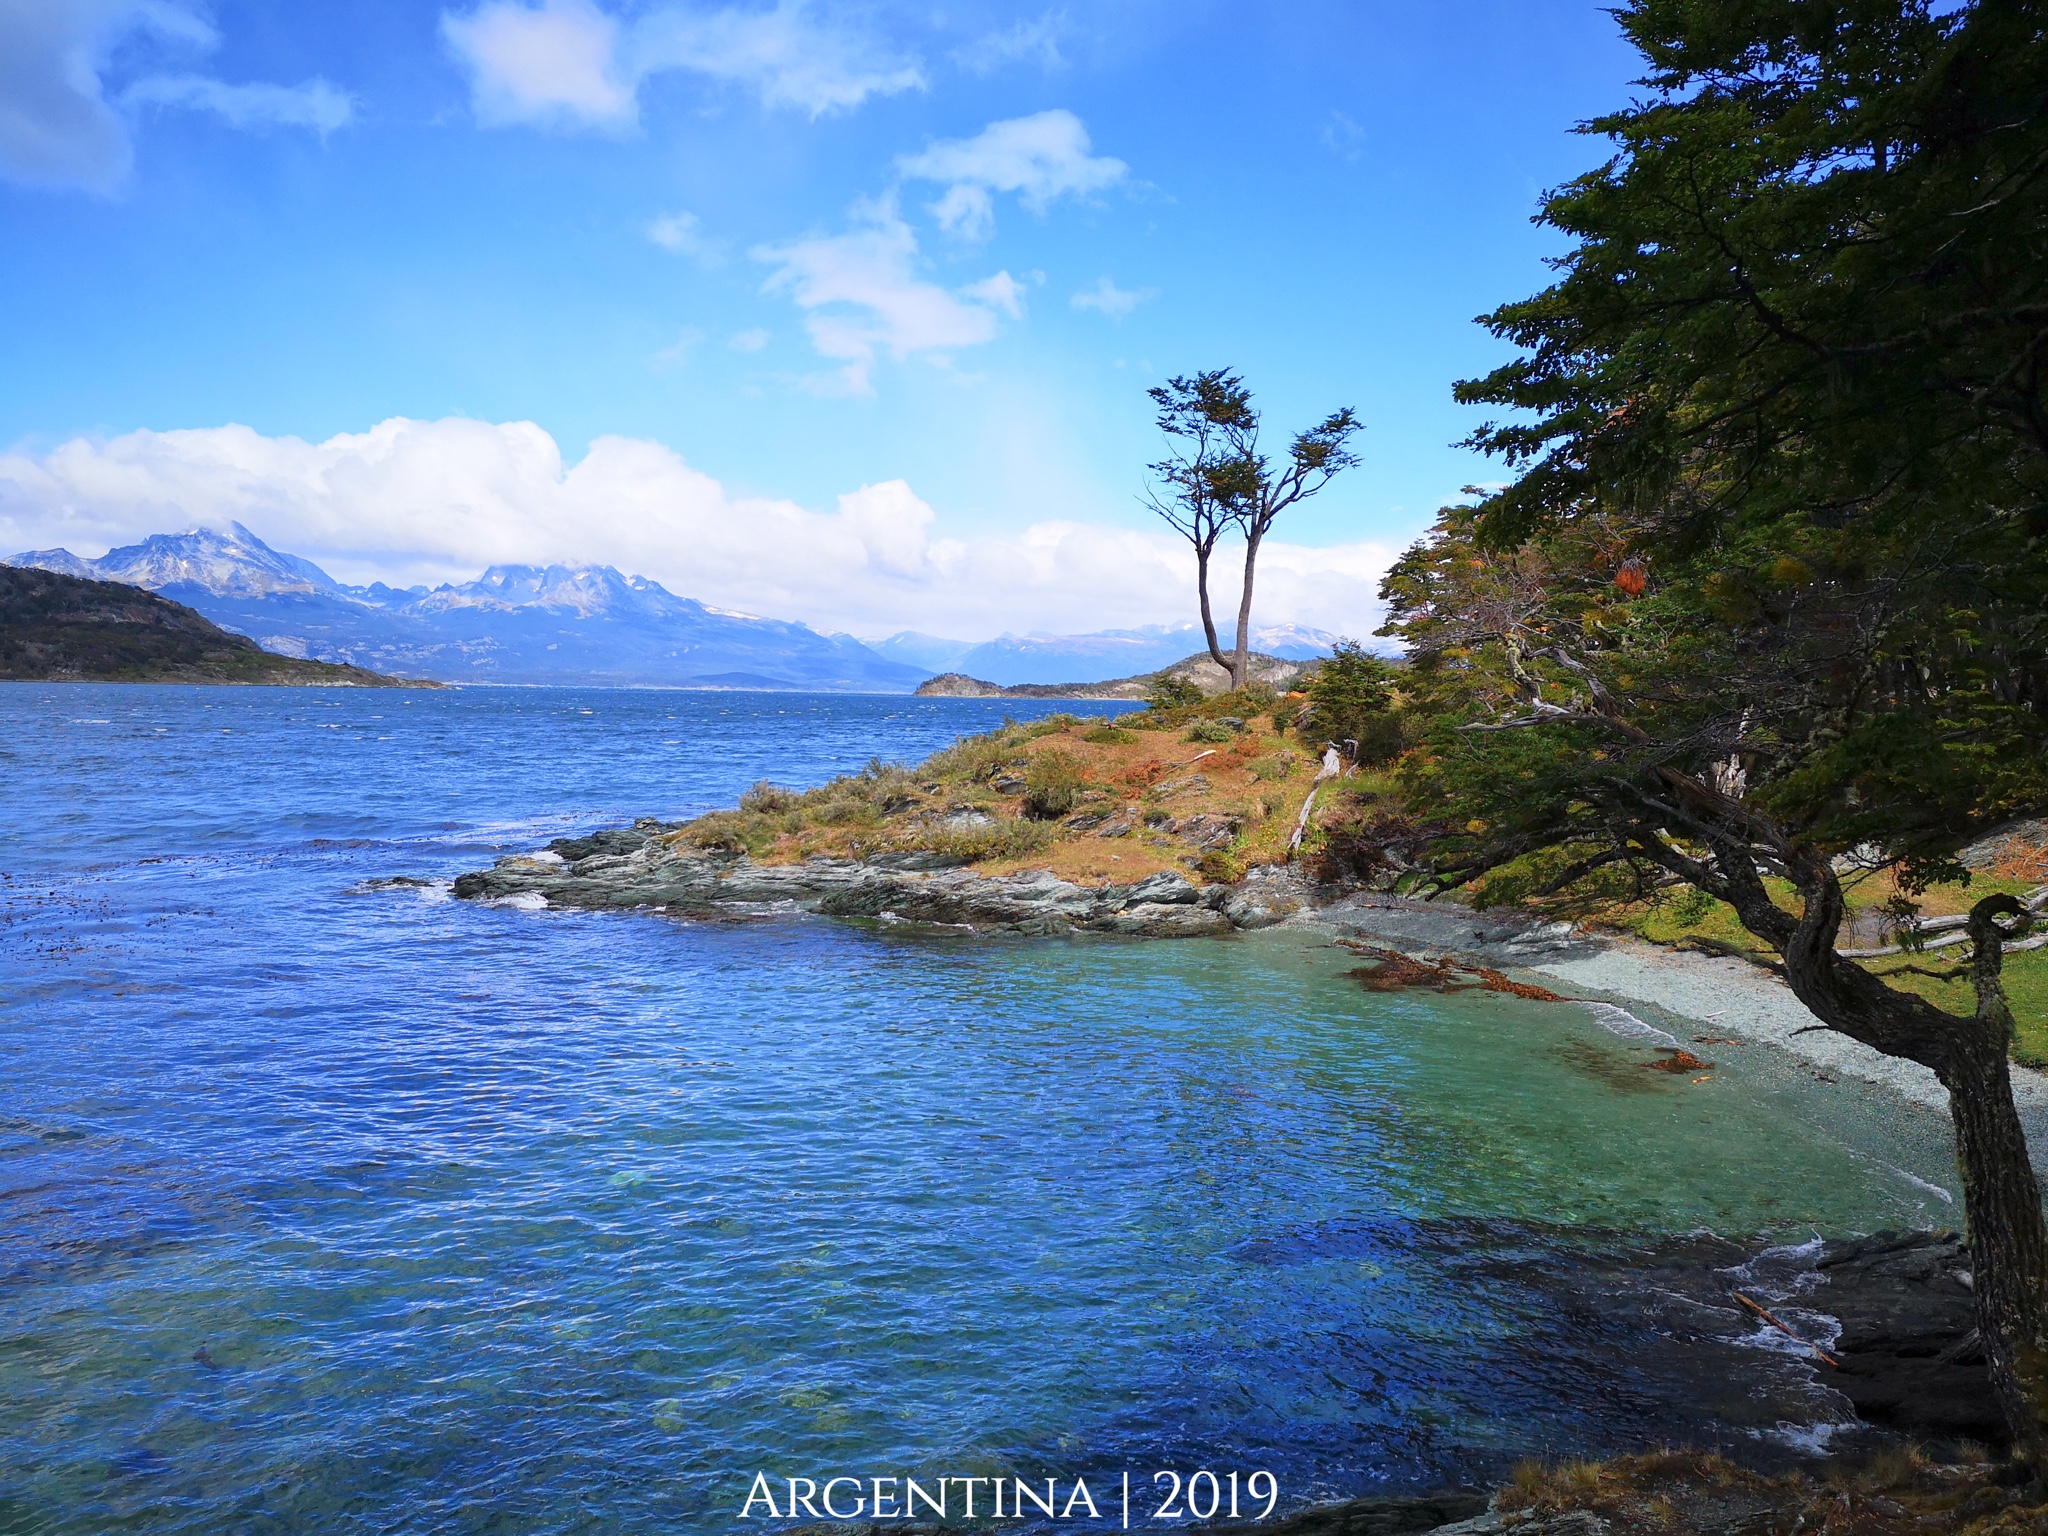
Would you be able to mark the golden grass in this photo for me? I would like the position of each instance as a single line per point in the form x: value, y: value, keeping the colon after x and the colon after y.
x: 1131, y: 770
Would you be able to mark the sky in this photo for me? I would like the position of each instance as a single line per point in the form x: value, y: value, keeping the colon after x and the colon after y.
x: 840, y: 313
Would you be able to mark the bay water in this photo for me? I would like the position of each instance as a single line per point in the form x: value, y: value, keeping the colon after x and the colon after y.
x: 330, y: 1206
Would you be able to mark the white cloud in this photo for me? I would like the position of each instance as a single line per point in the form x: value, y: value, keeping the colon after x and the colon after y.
x: 411, y: 501
x: 315, y: 104
x: 557, y: 63
x: 1040, y: 158
x: 749, y: 341
x: 1106, y: 298
x: 57, y: 126
x: 789, y: 56
x: 568, y: 63
x: 682, y: 234
x: 862, y: 295
x: 1002, y: 292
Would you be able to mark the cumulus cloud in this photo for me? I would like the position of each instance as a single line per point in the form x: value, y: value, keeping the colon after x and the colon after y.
x: 862, y: 295
x: 749, y: 340
x: 59, y: 129
x: 1108, y: 299
x: 554, y: 63
x: 411, y: 501
x: 1040, y: 158
x: 566, y: 63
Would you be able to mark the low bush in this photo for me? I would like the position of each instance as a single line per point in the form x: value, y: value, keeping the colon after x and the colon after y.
x: 1110, y: 736
x: 1052, y: 786
x: 1170, y: 693
x: 1209, y: 732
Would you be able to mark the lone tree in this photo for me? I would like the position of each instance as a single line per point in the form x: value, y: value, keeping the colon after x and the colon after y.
x: 1767, y: 600
x: 1215, y: 480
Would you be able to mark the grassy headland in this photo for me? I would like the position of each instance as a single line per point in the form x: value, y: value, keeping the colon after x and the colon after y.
x: 1206, y: 788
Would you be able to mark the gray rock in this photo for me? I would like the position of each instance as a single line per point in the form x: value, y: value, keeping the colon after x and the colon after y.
x: 908, y: 887
x: 1908, y: 1343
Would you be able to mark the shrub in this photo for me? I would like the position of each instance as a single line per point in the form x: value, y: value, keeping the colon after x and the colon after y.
x: 1209, y: 731
x: 767, y: 799
x: 1110, y: 736
x: 1052, y: 786
x: 1170, y: 693
x: 1352, y: 700
x: 1221, y: 865
x: 1004, y: 840
x: 1691, y: 906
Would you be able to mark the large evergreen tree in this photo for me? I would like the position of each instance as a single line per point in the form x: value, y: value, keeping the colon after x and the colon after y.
x: 1768, y: 593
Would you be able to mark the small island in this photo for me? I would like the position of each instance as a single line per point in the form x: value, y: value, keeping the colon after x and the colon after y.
x: 68, y: 629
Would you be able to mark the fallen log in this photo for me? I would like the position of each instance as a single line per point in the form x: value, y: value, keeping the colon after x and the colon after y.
x: 1332, y: 766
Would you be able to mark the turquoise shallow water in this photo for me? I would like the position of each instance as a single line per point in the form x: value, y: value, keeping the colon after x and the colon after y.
x: 332, y: 1209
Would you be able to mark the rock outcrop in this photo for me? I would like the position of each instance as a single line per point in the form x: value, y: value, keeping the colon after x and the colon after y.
x: 1908, y: 1340
x: 638, y: 867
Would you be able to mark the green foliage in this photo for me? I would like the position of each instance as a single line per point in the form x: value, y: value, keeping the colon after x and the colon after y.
x: 1351, y: 699
x: 1169, y: 693
x: 1109, y: 736
x: 1691, y: 907
x: 1212, y: 732
x: 1052, y: 786
x: 1770, y: 581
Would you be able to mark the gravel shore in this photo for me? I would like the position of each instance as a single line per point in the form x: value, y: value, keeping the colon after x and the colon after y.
x: 1725, y: 996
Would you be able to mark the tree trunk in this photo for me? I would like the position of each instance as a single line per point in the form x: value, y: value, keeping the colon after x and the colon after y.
x: 2001, y: 1198
x: 1240, y: 669
x: 1208, y: 623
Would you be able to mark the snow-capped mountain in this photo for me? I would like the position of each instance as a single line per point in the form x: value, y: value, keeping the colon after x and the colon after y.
x: 515, y: 624
x: 1090, y: 658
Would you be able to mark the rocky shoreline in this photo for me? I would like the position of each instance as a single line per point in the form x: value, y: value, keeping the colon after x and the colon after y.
x: 638, y: 868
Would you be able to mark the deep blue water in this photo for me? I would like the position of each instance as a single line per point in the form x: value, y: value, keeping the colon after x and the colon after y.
x: 330, y: 1208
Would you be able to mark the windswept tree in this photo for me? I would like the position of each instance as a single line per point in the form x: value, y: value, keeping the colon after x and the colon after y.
x: 1216, y: 481
x: 1767, y: 599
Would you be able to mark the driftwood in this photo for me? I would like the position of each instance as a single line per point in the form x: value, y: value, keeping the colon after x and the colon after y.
x: 1332, y: 766
x: 1760, y: 1311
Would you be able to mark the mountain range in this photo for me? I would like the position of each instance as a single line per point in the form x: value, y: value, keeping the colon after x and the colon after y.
x: 516, y: 624
x: 1094, y: 658
x: 585, y: 624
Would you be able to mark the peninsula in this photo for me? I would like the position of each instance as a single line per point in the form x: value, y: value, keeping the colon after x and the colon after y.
x: 68, y: 629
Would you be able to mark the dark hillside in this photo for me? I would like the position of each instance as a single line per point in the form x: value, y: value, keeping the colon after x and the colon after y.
x: 56, y: 628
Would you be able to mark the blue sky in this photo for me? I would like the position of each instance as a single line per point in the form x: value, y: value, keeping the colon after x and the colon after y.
x: 857, y: 303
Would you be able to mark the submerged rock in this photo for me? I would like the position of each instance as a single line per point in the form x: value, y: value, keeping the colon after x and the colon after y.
x: 635, y: 868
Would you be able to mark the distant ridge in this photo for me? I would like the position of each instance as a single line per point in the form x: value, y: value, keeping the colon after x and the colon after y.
x: 1199, y: 669
x: 1108, y: 655
x: 57, y: 627
x: 557, y: 624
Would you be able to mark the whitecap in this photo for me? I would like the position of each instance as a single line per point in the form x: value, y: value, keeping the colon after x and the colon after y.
x: 1619, y: 1021
x: 524, y: 901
